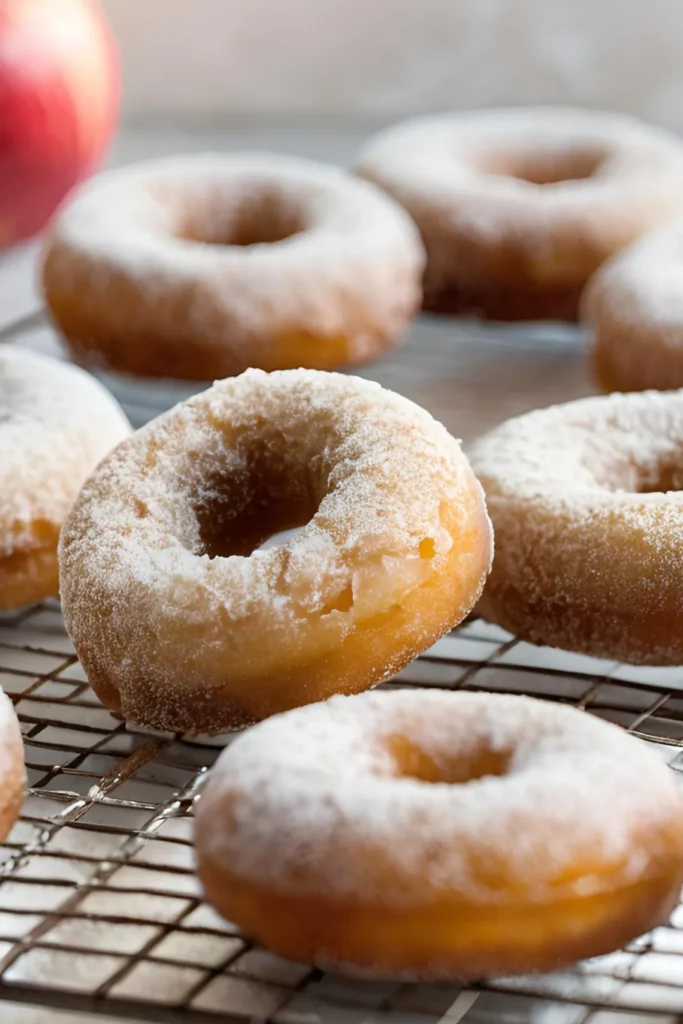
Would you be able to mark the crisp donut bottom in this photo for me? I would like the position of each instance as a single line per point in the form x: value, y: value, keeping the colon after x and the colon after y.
x: 505, y: 304
x: 587, y: 505
x: 636, y: 637
x: 149, y: 354
x: 415, y: 834
x: 428, y: 944
x: 27, y: 577
x: 180, y: 620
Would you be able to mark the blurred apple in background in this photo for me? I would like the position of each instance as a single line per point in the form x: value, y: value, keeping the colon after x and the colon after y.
x: 59, y: 93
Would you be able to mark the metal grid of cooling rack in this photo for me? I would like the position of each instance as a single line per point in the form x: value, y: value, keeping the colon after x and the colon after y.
x: 99, y: 906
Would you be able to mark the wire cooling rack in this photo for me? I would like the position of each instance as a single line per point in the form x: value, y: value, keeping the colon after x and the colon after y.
x: 101, y: 918
x: 100, y: 910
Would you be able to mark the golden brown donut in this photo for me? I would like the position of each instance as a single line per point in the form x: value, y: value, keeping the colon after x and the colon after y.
x: 517, y: 208
x: 56, y: 423
x: 440, y: 834
x: 12, y: 767
x: 587, y: 506
x: 182, y: 625
x: 200, y: 266
x: 635, y: 306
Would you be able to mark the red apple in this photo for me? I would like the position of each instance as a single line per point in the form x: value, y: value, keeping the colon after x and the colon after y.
x: 59, y: 92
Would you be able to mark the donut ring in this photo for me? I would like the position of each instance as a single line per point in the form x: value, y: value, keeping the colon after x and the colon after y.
x: 635, y: 308
x: 182, y: 625
x: 587, y: 509
x: 12, y: 767
x: 416, y: 833
x: 56, y: 422
x: 200, y: 266
x: 517, y: 208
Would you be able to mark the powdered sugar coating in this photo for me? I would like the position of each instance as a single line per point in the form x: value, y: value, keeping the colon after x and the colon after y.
x: 534, y: 198
x: 635, y: 306
x: 164, y: 601
x: 314, y: 803
x: 161, y: 253
x: 588, y: 514
x: 56, y: 423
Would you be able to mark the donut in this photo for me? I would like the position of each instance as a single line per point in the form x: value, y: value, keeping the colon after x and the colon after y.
x: 440, y: 834
x: 12, y: 767
x: 182, y: 623
x: 517, y: 208
x: 56, y: 423
x: 635, y: 309
x: 201, y: 266
x: 588, y: 516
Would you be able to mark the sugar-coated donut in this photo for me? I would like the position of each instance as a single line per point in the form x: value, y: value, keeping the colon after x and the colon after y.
x: 439, y: 834
x: 56, y: 423
x: 635, y: 306
x: 181, y: 624
x: 587, y: 508
x: 12, y: 767
x: 202, y: 266
x: 517, y: 208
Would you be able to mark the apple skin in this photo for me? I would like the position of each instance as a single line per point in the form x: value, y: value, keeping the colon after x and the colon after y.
x: 59, y: 98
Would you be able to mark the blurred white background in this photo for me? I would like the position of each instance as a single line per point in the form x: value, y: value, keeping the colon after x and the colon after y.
x: 219, y: 59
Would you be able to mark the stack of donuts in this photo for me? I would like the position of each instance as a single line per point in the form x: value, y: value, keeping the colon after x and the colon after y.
x: 399, y: 833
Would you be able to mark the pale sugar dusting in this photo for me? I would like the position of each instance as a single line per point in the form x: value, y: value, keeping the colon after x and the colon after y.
x: 314, y: 803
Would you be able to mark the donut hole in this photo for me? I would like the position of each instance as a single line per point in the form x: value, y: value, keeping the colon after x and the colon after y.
x: 411, y: 761
x: 238, y: 511
x: 660, y: 476
x: 227, y: 529
x: 259, y: 217
x: 545, y: 167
